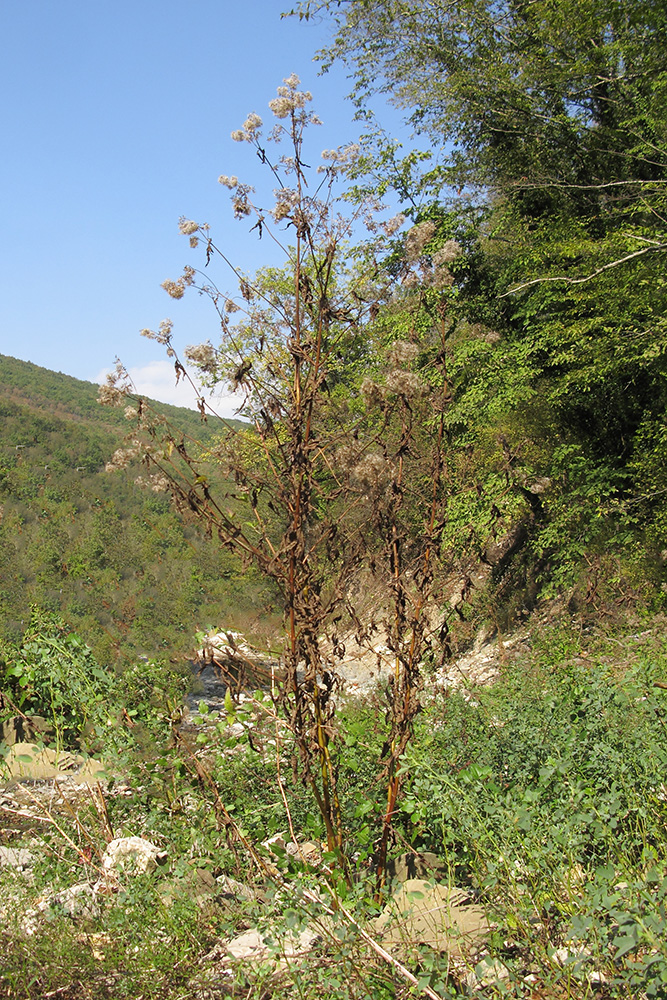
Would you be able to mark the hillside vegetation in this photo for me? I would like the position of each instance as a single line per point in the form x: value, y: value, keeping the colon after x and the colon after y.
x: 113, y: 559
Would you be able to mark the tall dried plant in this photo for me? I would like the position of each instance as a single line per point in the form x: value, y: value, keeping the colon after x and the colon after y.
x: 317, y: 486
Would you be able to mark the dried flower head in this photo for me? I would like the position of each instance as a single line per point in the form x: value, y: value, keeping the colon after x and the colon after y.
x: 130, y: 412
x: 448, y: 252
x: 246, y: 290
x: 347, y: 458
x: 155, y: 482
x: 442, y: 277
x: 417, y: 238
x: 281, y: 106
x: 116, y: 387
x: 174, y: 289
x: 286, y: 201
x: 289, y: 99
x: 252, y: 123
x: 372, y: 473
x: 401, y: 352
x: 122, y: 457
x: 228, y: 182
x: 203, y: 356
x: 392, y: 226
x: 249, y: 132
x: 371, y: 392
x: 111, y: 395
x: 240, y: 202
x: 163, y: 336
x: 405, y: 384
x: 341, y: 158
x: 187, y: 226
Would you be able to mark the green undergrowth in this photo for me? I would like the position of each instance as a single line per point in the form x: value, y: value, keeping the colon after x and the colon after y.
x: 545, y: 793
x: 542, y: 795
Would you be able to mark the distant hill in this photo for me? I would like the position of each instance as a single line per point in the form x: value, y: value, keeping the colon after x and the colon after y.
x: 71, y: 398
x: 114, y: 560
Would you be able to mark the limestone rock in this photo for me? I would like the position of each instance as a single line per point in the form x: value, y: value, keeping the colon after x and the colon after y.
x: 254, y: 946
x: 23, y: 728
x: 425, y: 864
x: 76, y: 901
x: 16, y: 857
x: 228, y: 886
x: 235, y: 658
x: 488, y: 972
x: 308, y: 851
x: 440, y: 916
x: 132, y: 854
x: 27, y: 760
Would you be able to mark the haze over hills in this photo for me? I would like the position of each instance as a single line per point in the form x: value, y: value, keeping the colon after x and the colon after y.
x: 114, y: 560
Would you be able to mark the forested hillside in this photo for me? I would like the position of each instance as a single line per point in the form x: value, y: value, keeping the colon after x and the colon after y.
x: 113, y: 559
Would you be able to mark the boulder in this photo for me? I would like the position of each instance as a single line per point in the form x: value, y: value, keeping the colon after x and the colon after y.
x: 77, y: 901
x: 424, y: 864
x: 16, y: 857
x: 307, y: 851
x: 28, y: 760
x: 238, y: 662
x: 255, y: 946
x: 427, y: 913
x: 228, y: 886
x: 128, y: 854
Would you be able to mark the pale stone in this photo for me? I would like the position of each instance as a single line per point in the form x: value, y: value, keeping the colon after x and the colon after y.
x: 127, y: 853
x: 251, y: 946
x: 488, y: 972
x: 440, y: 916
x: 77, y: 901
x: 15, y: 857
x: 230, y: 887
x: 27, y: 760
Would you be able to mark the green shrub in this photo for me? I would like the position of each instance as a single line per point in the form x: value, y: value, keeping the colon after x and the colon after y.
x: 52, y: 673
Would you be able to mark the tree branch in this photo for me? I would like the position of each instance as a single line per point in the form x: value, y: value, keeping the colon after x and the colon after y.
x: 594, y: 274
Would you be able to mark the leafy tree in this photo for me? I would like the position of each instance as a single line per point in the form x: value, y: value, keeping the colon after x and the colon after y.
x: 553, y: 179
x: 51, y: 672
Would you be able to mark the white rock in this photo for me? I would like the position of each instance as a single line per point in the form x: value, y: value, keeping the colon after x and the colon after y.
x: 571, y: 956
x: 434, y: 914
x: 488, y: 972
x: 128, y: 853
x: 76, y: 901
x: 230, y: 887
x: 252, y: 946
x: 15, y: 857
x: 236, y: 730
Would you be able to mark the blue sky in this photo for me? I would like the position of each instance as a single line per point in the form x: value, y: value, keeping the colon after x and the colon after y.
x: 116, y: 121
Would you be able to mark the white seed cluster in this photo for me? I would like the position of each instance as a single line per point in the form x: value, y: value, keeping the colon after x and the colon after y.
x: 417, y: 238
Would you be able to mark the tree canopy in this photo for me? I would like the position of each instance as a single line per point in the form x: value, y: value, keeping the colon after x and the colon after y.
x: 550, y: 118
